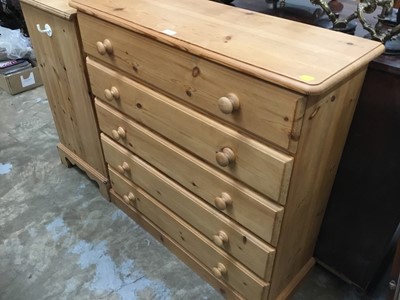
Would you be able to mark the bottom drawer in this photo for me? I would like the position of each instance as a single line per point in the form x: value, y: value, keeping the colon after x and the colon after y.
x: 222, y: 266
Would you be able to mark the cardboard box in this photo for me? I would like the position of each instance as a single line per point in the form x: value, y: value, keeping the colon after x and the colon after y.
x: 21, y: 81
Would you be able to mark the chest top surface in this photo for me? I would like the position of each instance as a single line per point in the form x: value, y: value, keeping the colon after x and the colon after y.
x: 300, y: 57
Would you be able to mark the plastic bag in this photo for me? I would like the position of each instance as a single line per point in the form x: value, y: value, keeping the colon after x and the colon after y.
x: 14, y: 44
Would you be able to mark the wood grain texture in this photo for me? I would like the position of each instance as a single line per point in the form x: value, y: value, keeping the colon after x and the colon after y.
x: 156, y: 150
x: 273, y: 114
x: 177, y: 249
x: 248, y: 209
x: 58, y: 8
x: 327, y: 121
x: 241, y: 244
x: 63, y: 72
x: 262, y: 167
x: 294, y: 55
x: 168, y: 157
x: 157, y: 110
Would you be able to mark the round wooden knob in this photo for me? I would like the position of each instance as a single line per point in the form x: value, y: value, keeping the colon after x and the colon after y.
x: 123, y: 168
x: 111, y: 94
x: 128, y: 199
x: 229, y: 103
x: 219, y: 270
x: 225, y: 157
x: 104, y: 47
x: 220, y: 238
x: 223, y: 201
x: 118, y: 134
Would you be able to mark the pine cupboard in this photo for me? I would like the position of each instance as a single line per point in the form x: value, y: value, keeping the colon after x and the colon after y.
x: 54, y: 33
x: 222, y: 130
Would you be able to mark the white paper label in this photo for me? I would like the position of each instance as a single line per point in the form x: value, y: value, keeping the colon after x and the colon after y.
x: 30, y: 80
x: 169, y: 32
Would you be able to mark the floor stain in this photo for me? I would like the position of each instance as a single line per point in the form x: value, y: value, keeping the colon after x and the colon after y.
x: 5, y: 168
x: 123, y: 280
x: 57, y: 228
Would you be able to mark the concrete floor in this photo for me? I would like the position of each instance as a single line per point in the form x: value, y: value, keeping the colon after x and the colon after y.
x: 59, y: 239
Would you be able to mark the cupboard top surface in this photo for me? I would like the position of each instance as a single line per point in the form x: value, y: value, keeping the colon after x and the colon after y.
x: 57, y: 7
x: 300, y: 57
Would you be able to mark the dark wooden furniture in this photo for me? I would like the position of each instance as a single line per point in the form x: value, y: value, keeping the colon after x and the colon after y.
x: 363, y: 212
x: 394, y: 284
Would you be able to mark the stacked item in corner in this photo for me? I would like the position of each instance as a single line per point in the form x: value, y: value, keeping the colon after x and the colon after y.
x: 18, y: 75
x: 14, y: 65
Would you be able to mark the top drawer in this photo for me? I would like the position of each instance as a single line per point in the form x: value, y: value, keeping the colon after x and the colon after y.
x: 270, y: 112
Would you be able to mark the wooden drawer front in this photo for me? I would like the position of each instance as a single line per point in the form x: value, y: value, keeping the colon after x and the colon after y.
x: 237, y: 276
x: 253, y: 212
x: 265, y: 169
x: 266, y: 110
x: 241, y: 244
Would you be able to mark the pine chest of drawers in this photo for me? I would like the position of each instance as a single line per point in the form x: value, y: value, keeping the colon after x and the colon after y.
x: 222, y: 130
